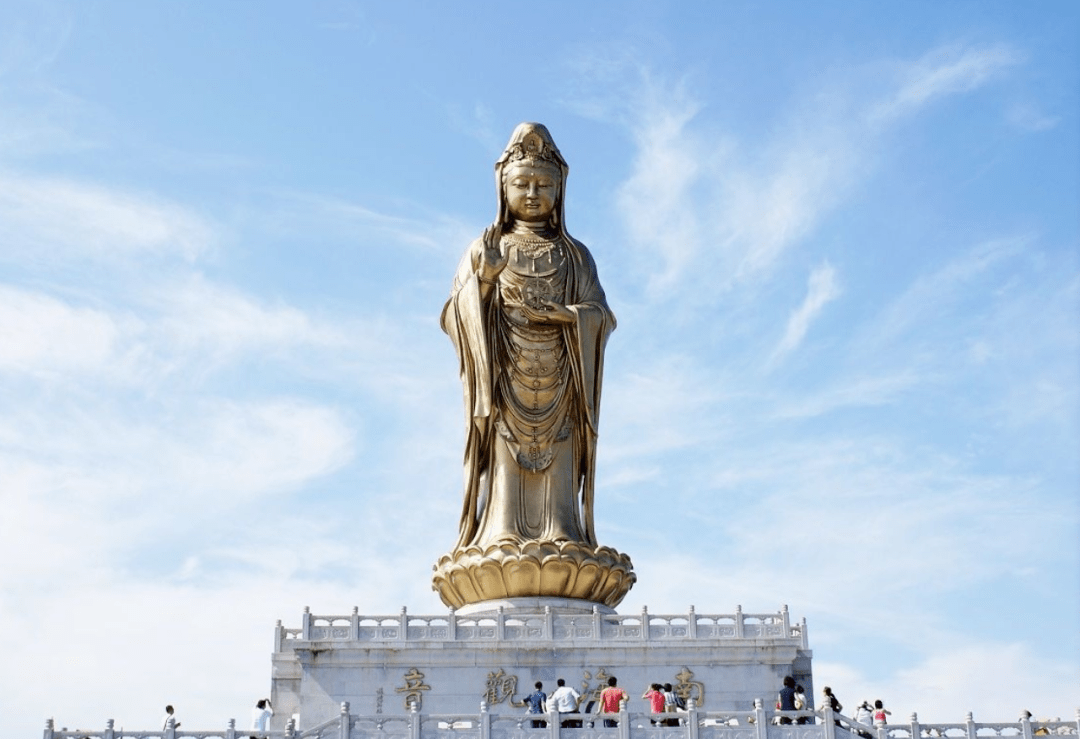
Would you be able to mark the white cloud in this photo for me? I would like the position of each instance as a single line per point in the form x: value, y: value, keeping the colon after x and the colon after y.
x: 51, y: 219
x: 821, y: 288
x: 948, y: 70
x: 197, y: 316
x: 960, y: 679
x: 1029, y: 117
x: 39, y: 333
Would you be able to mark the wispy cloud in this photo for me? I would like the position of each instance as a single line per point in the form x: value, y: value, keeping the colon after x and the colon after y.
x: 41, y: 334
x: 822, y: 287
x: 51, y: 219
x: 948, y: 70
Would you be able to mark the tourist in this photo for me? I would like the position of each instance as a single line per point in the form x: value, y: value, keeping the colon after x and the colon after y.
x: 864, y: 715
x: 800, y: 703
x: 611, y: 699
x: 566, y: 700
x: 260, y: 714
x: 786, y: 699
x: 169, y: 714
x: 673, y: 703
x: 880, y: 713
x: 831, y: 702
x: 537, y: 703
x: 655, y: 696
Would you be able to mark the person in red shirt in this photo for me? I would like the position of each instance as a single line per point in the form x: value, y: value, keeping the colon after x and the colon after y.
x: 611, y: 699
x: 656, y: 698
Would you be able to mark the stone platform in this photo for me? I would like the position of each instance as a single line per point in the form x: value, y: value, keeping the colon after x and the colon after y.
x: 451, y: 663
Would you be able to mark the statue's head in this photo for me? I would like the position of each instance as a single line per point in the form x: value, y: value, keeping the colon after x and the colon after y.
x: 530, y: 177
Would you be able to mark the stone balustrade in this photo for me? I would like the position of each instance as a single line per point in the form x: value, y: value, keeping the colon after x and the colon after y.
x: 547, y: 625
x: 693, y: 724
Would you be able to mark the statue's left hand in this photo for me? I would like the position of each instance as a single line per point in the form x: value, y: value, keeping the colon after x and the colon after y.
x: 555, y: 313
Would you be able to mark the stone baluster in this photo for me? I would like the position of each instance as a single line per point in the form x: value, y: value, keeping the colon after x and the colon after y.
x: 972, y: 732
x: 549, y: 623
x: 806, y: 641
x: 500, y: 624
x: 761, y: 721
x: 230, y: 731
x: 451, y: 627
x: 415, y: 720
x: 691, y: 624
x: 1078, y: 721
x: 597, y: 630
x: 1025, y: 727
x: 345, y: 725
x: 49, y: 728
x: 485, y: 721
x: 624, y: 720
x: 109, y: 729
x: 787, y: 620
x: 830, y: 721
x: 645, y: 623
x: 403, y: 628
x: 916, y: 730
x: 354, y: 624
x: 738, y: 622
x: 305, y: 621
x: 290, y: 728
x: 279, y: 636
x: 691, y: 714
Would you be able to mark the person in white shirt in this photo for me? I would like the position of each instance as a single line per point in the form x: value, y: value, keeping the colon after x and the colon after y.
x: 566, y: 700
x: 169, y: 714
x: 260, y: 714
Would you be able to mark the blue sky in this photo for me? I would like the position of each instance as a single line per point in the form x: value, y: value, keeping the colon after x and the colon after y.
x: 840, y: 239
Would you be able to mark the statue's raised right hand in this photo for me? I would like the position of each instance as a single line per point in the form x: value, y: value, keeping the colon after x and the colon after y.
x: 493, y: 255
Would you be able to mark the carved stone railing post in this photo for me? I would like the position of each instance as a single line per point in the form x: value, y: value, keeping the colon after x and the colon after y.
x: 49, y: 726
x: 691, y: 714
x: 279, y: 636
x: 787, y: 620
x: 761, y: 721
x: 305, y: 622
x: 500, y: 624
x: 414, y: 721
x: 830, y: 721
x: 624, y: 721
x: 290, y: 728
x: 691, y: 624
x: 806, y: 642
x: 451, y: 627
x: 485, y: 721
x: 972, y: 732
x: 916, y: 731
x: 345, y: 725
x: 230, y: 731
x: 403, y: 629
x: 645, y: 623
x: 354, y: 624
x: 1025, y: 727
x: 553, y: 722
x: 738, y: 622
x: 597, y: 630
x: 109, y: 733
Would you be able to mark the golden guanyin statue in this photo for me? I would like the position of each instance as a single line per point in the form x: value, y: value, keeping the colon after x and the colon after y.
x: 529, y: 321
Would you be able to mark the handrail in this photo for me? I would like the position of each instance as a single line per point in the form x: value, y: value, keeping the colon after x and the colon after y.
x: 692, y: 724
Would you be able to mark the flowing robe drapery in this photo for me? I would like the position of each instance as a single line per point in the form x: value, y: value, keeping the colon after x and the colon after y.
x: 476, y: 324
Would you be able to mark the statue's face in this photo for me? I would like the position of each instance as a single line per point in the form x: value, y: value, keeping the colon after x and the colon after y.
x: 531, y: 192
